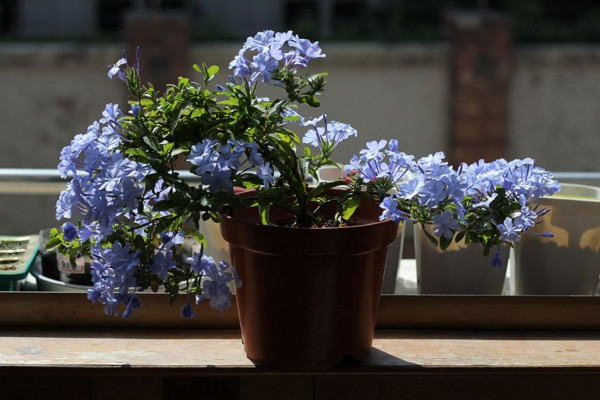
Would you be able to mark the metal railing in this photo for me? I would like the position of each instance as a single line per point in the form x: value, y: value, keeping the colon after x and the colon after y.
x: 43, y: 181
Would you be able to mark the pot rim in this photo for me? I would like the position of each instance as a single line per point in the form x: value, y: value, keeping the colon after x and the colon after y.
x: 561, y: 199
x: 249, y: 192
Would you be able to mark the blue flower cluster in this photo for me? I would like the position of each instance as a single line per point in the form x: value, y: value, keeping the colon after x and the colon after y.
x: 108, y: 192
x: 105, y: 184
x: 472, y: 199
x: 216, y: 163
x: 133, y: 212
x: 272, y: 51
x: 216, y: 288
x: 129, y: 206
x: 382, y: 161
x: 328, y: 136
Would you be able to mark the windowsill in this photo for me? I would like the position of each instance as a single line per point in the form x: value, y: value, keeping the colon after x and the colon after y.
x: 222, y: 351
x: 426, y: 347
x: 429, y: 312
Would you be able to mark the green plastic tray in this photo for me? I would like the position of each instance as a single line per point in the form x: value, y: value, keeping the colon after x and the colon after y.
x: 17, y: 254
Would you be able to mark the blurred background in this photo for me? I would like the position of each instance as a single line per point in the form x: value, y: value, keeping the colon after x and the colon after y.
x: 476, y: 79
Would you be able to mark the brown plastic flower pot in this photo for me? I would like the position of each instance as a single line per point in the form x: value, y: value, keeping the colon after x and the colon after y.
x: 310, y: 296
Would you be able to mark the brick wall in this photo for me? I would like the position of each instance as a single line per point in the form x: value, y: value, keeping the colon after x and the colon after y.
x: 479, y: 84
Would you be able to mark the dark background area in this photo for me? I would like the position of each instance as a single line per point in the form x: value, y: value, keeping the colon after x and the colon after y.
x: 359, y: 20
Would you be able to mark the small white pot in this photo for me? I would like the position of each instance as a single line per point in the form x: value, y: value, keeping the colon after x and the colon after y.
x: 569, y: 262
x: 460, y: 269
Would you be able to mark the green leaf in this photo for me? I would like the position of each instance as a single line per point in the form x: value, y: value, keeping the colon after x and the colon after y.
x: 263, y: 210
x: 145, y: 102
x: 320, y: 75
x: 232, y: 101
x: 136, y: 151
x: 444, y: 242
x: 460, y: 236
x: 351, y: 205
x: 183, y: 83
x: 53, y: 243
x: 167, y: 148
x: 313, y: 101
x: 323, y: 187
x: 196, y: 235
x: 212, y: 70
x: 163, y: 205
x: 139, y: 242
x: 197, y: 68
x: 292, y: 118
x: 150, y: 143
x: 178, y: 151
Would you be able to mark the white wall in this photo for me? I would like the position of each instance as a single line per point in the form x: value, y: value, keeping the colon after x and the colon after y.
x: 555, y: 106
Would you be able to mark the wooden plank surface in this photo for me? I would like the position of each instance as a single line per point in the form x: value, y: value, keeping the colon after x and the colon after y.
x: 223, y: 350
x: 396, y: 312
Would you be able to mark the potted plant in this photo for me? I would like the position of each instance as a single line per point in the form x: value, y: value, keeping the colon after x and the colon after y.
x: 569, y: 262
x: 308, y: 259
x: 458, y: 212
x: 128, y: 208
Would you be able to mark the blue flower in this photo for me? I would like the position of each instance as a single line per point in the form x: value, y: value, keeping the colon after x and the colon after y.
x: 161, y: 263
x: 432, y: 162
x: 265, y: 172
x: 115, y: 69
x: 216, y: 288
x: 200, y: 263
x: 486, y: 202
x: 111, y: 113
x: 69, y: 231
x: 262, y: 66
x: 113, y: 275
x: 329, y: 136
x: 525, y: 217
x: 254, y: 157
x: 187, y: 310
x: 171, y: 239
x: 203, y: 155
x: 315, y: 137
x: 390, y: 210
x: 496, y: 260
x: 273, y: 51
x: 132, y: 302
x: 445, y: 225
x: 509, y: 231
x: 259, y: 41
x: 240, y: 65
x: 135, y: 110
x: 410, y: 188
x: 218, y: 178
x: 373, y: 150
x: 432, y: 193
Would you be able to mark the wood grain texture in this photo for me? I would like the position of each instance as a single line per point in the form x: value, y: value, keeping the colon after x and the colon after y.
x: 459, y: 312
x: 210, y: 352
